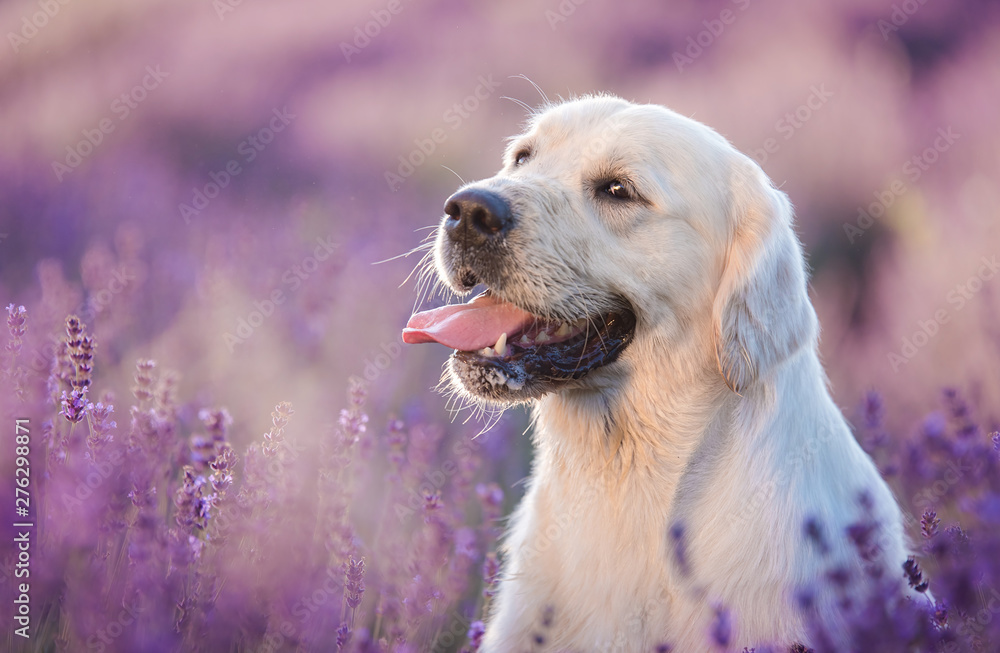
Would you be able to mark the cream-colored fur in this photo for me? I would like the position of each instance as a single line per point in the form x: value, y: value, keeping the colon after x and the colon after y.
x: 715, y: 424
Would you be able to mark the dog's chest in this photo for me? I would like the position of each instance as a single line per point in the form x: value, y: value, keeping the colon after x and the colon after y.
x: 595, y: 553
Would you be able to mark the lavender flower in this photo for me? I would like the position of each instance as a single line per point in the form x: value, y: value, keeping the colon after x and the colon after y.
x: 80, y: 350
x: 194, y: 505
x: 873, y: 410
x: 144, y: 388
x: 353, y: 423
x: 16, y: 320
x: 914, y: 576
x: 276, y: 435
x: 722, y: 626
x: 929, y: 523
x: 491, y: 502
x: 217, y: 422
x: 491, y: 574
x: 476, y: 632
x: 355, y: 581
x: 74, y: 405
x: 961, y: 414
x: 814, y: 532
x: 679, y: 547
x: 101, y: 426
x: 222, y: 466
x: 17, y: 316
x: 343, y: 636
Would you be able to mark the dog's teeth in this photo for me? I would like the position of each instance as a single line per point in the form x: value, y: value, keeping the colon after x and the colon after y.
x: 580, y: 324
x: 487, y: 352
x: 501, y: 346
x: 525, y: 340
x: 562, y: 331
x: 542, y: 338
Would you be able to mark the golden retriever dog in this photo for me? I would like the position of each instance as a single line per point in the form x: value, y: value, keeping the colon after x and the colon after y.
x: 647, y: 295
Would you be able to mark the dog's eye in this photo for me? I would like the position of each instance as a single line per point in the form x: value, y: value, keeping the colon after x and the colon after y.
x: 615, y: 189
x: 521, y: 157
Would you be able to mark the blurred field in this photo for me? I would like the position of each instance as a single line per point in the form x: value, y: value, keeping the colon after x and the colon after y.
x: 210, y: 183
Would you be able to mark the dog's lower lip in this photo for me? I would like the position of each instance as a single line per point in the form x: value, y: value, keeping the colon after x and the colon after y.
x: 570, y: 358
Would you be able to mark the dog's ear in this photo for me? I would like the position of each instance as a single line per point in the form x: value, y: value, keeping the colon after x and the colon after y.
x: 762, y: 313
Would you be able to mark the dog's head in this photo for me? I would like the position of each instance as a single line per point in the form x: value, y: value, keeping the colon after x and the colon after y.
x: 615, y: 231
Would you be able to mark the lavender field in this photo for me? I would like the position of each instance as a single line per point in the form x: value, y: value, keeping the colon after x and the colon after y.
x: 214, y: 438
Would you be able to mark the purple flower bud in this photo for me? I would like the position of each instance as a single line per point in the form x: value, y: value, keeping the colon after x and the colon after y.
x: 74, y: 405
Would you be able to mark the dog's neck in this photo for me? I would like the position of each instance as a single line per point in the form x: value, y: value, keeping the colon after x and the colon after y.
x: 642, y: 421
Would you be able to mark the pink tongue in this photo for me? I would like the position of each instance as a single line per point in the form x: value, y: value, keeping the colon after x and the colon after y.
x: 467, y: 327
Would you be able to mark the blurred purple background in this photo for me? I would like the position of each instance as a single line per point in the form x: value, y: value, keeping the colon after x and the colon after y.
x: 280, y: 125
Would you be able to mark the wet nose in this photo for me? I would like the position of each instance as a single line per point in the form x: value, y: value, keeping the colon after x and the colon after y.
x: 477, y: 216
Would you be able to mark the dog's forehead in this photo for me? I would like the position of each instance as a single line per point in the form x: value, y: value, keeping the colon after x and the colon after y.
x: 607, y: 126
x: 571, y: 120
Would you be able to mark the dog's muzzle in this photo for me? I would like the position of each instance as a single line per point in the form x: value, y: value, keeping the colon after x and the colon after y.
x: 503, y: 351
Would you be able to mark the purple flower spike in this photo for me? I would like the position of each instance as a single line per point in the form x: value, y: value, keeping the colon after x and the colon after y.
x: 929, y: 524
x: 722, y: 627
x: 74, y: 405
x: 16, y: 318
x: 355, y: 582
x: 874, y: 410
x: 914, y: 576
x: 477, y: 629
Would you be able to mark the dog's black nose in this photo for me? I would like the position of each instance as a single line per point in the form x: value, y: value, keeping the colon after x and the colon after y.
x: 476, y: 216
